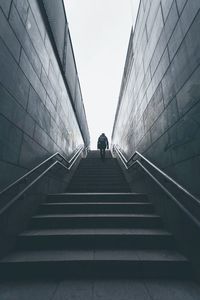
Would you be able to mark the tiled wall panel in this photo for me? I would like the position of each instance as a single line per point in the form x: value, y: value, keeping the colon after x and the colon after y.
x: 158, y: 111
x: 37, y: 112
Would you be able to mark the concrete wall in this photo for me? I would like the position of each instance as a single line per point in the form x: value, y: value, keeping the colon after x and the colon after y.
x: 159, y: 104
x: 41, y: 107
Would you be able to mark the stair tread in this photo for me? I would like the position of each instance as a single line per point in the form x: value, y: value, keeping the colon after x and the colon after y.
x: 94, y: 255
x: 98, y: 231
x: 97, y: 197
x: 108, y: 215
x: 97, y: 203
x: 98, y: 194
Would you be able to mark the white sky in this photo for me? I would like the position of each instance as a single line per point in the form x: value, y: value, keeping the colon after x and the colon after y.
x: 100, y: 31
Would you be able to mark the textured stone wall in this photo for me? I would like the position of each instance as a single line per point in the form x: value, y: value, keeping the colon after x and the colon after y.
x: 40, y: 113
x: 159, y: 104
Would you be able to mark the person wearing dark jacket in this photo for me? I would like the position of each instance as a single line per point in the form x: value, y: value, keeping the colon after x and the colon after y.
x: 102, y: 144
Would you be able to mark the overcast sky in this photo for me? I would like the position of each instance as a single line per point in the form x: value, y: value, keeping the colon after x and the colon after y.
x: 100, y: 31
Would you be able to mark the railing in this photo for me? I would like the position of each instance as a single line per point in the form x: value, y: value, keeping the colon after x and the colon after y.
x: 48, y: 164
x: 138, y: 159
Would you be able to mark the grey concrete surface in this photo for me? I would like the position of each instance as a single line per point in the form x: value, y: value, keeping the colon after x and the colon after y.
x: 100, y: 289
x: 159, y: 98
x: 38, y: 115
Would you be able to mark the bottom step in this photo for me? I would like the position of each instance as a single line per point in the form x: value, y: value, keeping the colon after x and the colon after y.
x: 108, y: 263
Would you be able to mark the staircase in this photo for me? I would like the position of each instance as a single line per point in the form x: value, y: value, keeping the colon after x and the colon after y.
x: 96, y: 175
x: 98, y: 228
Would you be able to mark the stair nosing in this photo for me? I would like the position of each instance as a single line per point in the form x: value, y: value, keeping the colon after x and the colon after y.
x: 97, y: 203
x: 96, y: 216
x: 93, y: 257
x: 96, y: 194
x: 94, y: 235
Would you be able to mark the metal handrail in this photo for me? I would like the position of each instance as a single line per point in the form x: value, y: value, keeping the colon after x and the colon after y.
x: 70, y: 163
x: 75, y: 157
x: 72, y: 160
x: 128, y: 166
x: 10, y: 203
x: 180, y: 205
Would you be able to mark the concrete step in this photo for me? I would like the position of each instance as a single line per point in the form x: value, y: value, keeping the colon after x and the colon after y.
x: 100, y: 174
x: 94, y: 263
x: 96, y: 221
x: 86, y: 238
x: 97, y: 197
x: 98, y: 188
x: 98, y: 160
x: 98, y: 163
x: 98, y: 180
x: 96, y: 207
x: 99, y: 168
x: 96, y: 184
x: 96, y: 154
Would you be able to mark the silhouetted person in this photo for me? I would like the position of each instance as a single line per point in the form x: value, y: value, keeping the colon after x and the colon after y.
x: 102, y: 144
